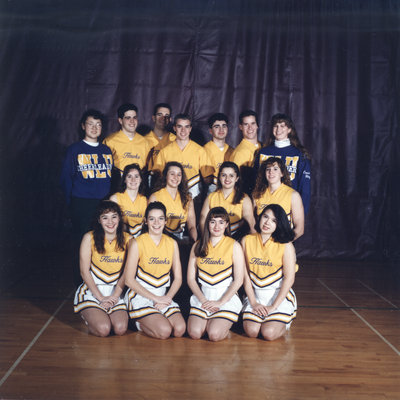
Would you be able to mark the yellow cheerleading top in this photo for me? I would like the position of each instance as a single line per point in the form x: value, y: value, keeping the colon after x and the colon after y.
x: 155, y: 261
x: 132, y: 211
x: 194, y: 160
x: 176, y: 214
x: 157, y: 144
x: 235, y: 211
x: 128, y: 151
x: 281, y: 196
x: 106, y: 268
x: 243, y: 155
x: 217, y: 156
x: 264, y: 261
x: 216, y: 269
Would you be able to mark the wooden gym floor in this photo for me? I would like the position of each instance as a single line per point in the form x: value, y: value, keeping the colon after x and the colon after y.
x: 344, y: 344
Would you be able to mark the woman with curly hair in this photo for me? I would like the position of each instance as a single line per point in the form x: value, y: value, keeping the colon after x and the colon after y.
x: 273, y: 187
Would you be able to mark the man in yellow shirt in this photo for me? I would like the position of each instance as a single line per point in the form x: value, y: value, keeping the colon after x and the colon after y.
x: 192, y: 156
x: 218, y: 150
x: 160, y: 136
x: 127, y: 145
x: 245, y: 152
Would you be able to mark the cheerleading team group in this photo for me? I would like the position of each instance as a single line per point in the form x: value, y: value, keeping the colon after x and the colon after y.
x: 182, y: 230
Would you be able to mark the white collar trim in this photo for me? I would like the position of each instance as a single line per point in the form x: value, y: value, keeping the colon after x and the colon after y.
x: 282, y: 143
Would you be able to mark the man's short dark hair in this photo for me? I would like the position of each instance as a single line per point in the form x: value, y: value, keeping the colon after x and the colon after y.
x: 182, y: 116
x: 124, y: 108
x: 162, y: 105
x: 247, y: 113
x: 217, y: 117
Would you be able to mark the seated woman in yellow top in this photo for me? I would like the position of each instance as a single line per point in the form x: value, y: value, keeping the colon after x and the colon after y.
x: 131, y: 200
x: 174, y: 194
x: 273, y: 187
x: 102, y: 257
x: 270, y: 306
x: 229, y: 195
x: 152, y: 257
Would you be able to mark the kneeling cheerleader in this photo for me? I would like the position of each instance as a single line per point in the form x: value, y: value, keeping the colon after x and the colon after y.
x: 151, y: 258
x: 270, y: 306
x: 217, y: 261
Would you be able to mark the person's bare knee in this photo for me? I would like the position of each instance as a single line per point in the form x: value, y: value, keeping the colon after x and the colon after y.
x: 120, y: 327
x: 195, y: 331
x: 215, y: 335
x: 252, y: 329
x: 119, y: 321
x: 272, y: 332
x: 102, y: 328
x: 163, y: 331
x: 179, y: 328
x: 218, y: 329
x: 196, y: 327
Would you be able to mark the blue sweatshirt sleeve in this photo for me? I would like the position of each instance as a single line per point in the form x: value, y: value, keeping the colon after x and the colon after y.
x: 304, y: 176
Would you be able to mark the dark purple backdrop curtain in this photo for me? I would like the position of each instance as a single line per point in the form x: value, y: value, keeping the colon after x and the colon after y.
x: 332, y: 65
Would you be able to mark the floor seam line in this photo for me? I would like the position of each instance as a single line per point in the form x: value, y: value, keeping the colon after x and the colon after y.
x: 377, y: 294
x: 361, y: 318
x: 33, y: 341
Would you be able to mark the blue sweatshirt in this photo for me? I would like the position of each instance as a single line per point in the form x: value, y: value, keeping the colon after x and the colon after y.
x: 86, y: 171
x: 298, y: 166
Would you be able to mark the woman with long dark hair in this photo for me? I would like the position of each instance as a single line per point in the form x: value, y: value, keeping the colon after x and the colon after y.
x: 273, y: 187
x: 131, y: 199
x: 152, y: 257
x: 215, y: 273
x: 229, y: 194
x: 102, y: 257
x: 270, y: 306
x: 173, y: 192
